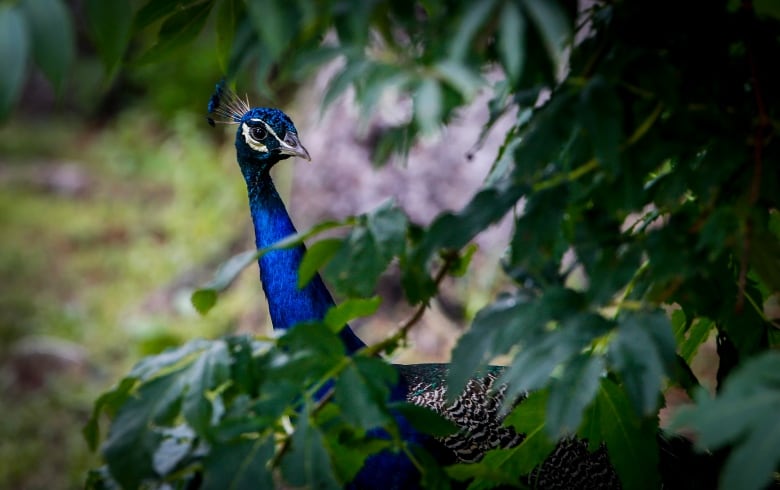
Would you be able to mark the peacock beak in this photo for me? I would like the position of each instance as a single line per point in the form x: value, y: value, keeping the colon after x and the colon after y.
x: 292, y: 146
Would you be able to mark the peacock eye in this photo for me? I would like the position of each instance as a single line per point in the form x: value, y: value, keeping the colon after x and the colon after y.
x: 258, y: 133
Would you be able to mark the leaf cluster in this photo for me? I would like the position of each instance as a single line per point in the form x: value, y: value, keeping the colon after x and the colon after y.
x: 643, y: 160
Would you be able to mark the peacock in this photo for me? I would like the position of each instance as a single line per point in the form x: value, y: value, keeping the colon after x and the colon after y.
x: 266, y: 136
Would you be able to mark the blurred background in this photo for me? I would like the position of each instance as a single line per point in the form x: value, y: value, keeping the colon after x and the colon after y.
x: 117, y: 200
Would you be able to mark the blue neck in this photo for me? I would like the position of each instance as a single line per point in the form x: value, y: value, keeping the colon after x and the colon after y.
x: 288, y: 305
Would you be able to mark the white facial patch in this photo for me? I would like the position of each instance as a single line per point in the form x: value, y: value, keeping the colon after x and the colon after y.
x: 255, y: 145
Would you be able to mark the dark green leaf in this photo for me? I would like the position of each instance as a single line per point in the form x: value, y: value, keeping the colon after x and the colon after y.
x: 307, y: 463
x: 110, y: 24
x: 316, y: 256
x: 108, y: 402
x: 472, y: 19
x: 744, y: 415
x: 511, y: 40
x: 53, y: 41
x: 156, y: 10
x: 461, y: 77
x: 698, y: 333
x: 175, y: 446
x: 13, y: 56
x: 178, y: 30
x: 631, y: 441
x: 572, y: 392
x: 275, y: 22
x: 643, y: 352
x: 239, y: 465
x: 424, y: 419
x: 210, y: 369
x: 228, y: 16
x: 361, y: 390
x: 554, y: 27
x: 601, y: 115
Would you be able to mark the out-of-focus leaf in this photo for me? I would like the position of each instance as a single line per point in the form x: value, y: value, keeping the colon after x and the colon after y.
x: 53, y: 41
x: 13, y: 56
x: 205, y: 298
x: 601, y: 117
x: 316, y: 256
x: 156, y: 10
x: 109, y: 402
x: 110, y: 24
x: 210, y: 369
x: 744, y: 414
x: 554, y: 27
x: 472, y: 19
x: 176, y: 444
x: 275, y: 22
x: 461, y: 77
x: 631, y: 441
x: 697, y: 335
x: 348, y: 310
x: 178, y: 30
x: 643, y: 352
x: 241, y: 464
x: 428, y: 105
x: 511, y: 40
x: 228, y: 15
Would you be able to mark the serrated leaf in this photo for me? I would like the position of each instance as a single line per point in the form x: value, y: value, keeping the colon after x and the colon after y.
x: 572, y: 392
x: 511, y: 40
x: 631, y: 441
x: 338, y: 316
x: 307, y: 463
x: 13, y: 56
x: 367, y: 251
x: 316, y: 256
x: 428, y: 105
x: 361, y: 390
x: 179, y: 29
x: 424, y: 419
x: 131, y: 443
x: 51, y: 33
x: 241, y: 464
x: 209, y: 370
x: 110, y: 24
x: 643, y: 352
x: 744, y: 415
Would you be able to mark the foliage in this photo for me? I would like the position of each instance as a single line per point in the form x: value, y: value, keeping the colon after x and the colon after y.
x: 644, y: 144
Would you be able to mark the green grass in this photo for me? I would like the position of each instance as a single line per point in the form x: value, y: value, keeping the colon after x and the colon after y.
x: 107, y: 271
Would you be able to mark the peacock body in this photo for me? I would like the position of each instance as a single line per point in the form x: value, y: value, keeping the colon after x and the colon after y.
x: 266, y: 136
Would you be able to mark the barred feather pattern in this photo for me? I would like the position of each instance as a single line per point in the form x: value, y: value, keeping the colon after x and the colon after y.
x: 477, y: 412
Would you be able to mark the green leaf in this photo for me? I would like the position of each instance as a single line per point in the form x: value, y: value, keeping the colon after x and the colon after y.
x: 131, y: 444
x: 204, y: 300
x: 53, y: 41
x: 554, y: 27
x: 367, y: 251
x: 572, y: 392
x: 178, y: 29
x: 276, y: 23
x: 428, y: 105
x: 601, y: 115
x: 461, y: 77
x: 698, y: 334
x: 307, y: 463
x: 743, y: 415
x: 107, y: 402
x: 471, y: 21
x: 210, y: 369
x: 511, y: 40
x: 424, y: 419
x: 338, y: 316
x: 643, y: 352
x: 240, y: 464
x: 175, y: 446
x: 361, y: 390
x: 631, y: 441
x: 13, y: 56
x: 228, y: 16
x: 316, y: 256
x: 109, y: 24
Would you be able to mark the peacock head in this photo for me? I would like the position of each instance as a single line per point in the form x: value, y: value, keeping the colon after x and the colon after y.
x: 264, y: 136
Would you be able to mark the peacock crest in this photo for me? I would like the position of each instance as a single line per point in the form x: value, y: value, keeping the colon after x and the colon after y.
x: 227, y: 106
